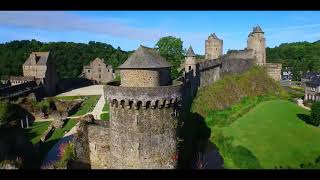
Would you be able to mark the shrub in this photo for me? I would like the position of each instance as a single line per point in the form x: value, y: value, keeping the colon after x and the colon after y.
x: 315, y: 114
x: 66, y: 154
x: 5, y: 112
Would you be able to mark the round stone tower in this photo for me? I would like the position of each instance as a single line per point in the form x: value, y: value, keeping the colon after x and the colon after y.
x: 257, y: 43
x: 144, y: 113
x: 213, y: 47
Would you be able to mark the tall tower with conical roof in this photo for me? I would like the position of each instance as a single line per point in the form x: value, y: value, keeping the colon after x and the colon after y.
x: 190, y: 62
x: 257, y: 42
x: 213, y: 47
x: 144, y: 113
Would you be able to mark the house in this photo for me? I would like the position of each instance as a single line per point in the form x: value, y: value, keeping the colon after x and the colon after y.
x: 41, y: 67
x: 98, y: 71
x: 312, y: 89
x: 308, y: 76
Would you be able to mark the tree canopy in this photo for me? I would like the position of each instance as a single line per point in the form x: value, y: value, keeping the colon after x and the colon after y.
x: 171, y: 48
x: 69, y: 56
x: 4, y: 112
x: 298, y: 57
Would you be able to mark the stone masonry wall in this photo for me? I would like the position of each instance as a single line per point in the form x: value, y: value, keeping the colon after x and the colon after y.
x: 274, y: 70
x: 213, y: 48
x: 143, y: 125
x: 208, y: 72
x: 143, y: 138
x: 139, y: 78
x: 99, y: 145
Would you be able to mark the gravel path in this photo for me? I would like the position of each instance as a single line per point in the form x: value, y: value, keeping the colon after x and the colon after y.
x: 84, y: 91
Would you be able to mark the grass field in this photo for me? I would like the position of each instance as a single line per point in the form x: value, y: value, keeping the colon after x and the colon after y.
x: 270, y: 135
x: 106, y: 107
x: 87, y: 106
x: 69, y: 98
x: 35, y: 131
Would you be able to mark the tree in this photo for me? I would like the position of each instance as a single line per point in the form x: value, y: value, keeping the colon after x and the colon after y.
x: 4, y: 112
x: 171, y: 48
x: 315, y: 114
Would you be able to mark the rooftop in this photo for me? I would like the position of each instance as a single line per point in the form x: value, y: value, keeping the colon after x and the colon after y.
x: 190, y: 52
x: 257, y: 29
x: 213, y: 35
x: 145, y: 57
x: 39, y: 58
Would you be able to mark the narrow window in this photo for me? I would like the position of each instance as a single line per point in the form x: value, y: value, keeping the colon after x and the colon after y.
x: 189, y: 68
x: 88, y: 70
x: 99, y: 70
x: 99, y: 76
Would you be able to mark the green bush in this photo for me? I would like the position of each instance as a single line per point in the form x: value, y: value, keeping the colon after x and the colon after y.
x: 44, y: 106
x: 5, y: 112
x: 315, y: 114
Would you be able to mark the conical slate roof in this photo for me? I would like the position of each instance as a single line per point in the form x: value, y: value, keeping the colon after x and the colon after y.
x: 214, y: 36
x: 145, y: 57
x: 257, y: 29
x: 190, y: 52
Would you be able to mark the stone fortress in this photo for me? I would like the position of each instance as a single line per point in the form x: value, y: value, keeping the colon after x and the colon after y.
x: 146, y: 105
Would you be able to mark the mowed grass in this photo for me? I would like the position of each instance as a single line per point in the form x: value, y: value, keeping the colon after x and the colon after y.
x: 69, y: 98
x: 87, y: 105
x: 105, y: 107
x: 275, y: 135
x: 35, y: 131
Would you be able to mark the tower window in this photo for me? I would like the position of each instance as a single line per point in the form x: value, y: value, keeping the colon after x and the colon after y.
x: 99, y: 69
x: 189, y: 68
x: 88, y: 70
x: 99, y: 76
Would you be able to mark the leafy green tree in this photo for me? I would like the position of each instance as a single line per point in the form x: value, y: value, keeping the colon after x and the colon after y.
x: 4, y: 112
x: 171, y: 48
x: 315, y: 113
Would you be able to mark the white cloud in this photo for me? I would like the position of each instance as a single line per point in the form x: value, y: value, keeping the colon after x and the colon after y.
x: 61, y: 21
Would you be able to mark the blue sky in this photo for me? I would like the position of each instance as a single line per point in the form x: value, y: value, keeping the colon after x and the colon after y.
x: 129, y: 29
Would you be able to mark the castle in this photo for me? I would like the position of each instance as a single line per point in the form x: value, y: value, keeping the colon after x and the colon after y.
x: 145, y: 106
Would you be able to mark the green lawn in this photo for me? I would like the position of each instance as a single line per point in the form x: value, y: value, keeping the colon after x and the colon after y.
x: 87, y: 106
x: 270, y: 135
x: 35, y: 131
x: 104, y: 116
x: 69, y: 98
x: 106, y: 107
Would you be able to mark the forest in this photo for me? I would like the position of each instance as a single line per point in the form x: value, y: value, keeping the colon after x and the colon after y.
x: 69, y: 57
x: 298, y: 57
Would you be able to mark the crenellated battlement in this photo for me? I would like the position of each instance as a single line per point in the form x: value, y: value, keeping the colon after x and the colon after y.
x: 143, y: 97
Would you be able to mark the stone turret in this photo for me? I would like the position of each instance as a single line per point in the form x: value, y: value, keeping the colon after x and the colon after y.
x: 190, y: 62
x: 213, y: 47
x: 144, y: 113
x: 257, y: 43
x: 145, y: 68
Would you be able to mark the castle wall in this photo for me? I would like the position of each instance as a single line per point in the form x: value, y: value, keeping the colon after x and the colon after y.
x: 144, y: 78
x: 99, y: 145
x: 241, y: 54
x: 208, y: 72
x: 236, y: 62
x: 274, y: 70
x: 143, y: 125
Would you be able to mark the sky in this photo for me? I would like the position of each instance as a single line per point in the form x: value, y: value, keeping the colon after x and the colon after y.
x: 129, y: 29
